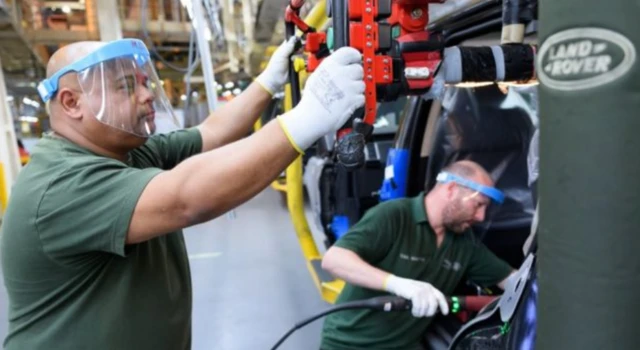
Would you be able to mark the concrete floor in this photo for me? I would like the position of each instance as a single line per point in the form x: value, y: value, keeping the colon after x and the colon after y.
x: 250, y: 281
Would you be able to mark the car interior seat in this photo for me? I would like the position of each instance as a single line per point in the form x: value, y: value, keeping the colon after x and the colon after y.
x: 493, y: 128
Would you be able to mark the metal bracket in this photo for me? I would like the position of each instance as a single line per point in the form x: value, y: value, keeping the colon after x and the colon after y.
x: 514, y: 288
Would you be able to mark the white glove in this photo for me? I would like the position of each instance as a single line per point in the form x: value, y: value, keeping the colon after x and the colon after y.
x: 276, y: 73
x: 332, y: 93
x: 424, y: 297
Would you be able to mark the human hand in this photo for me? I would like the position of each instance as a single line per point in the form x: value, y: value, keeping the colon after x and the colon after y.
x: 332, y: 93
x: 276, y: 73
x: 424, y: 297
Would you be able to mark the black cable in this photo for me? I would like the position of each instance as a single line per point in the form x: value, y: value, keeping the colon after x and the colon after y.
x: 386, y: 303
x: 473, y: 31
x: 294, y: 78
x: 340, y: 18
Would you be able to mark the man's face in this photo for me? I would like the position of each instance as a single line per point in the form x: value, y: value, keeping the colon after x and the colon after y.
x: 465, y: 208
x: 122, y: 98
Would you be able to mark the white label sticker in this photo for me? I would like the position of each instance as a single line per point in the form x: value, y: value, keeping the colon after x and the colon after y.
x: 388, y: 172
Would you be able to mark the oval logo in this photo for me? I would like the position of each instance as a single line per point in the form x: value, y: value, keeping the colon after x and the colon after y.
x: 583, y: 58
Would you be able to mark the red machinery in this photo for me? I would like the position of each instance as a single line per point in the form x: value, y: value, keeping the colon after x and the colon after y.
x: 396, y: 47
x: 399, y: 57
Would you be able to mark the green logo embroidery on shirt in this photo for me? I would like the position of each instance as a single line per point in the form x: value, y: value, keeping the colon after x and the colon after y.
x: 412, y: 258
x: 448, y: 265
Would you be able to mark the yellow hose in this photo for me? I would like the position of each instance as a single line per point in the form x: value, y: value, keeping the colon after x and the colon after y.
x: 4, y: 197
x: 329, y: 290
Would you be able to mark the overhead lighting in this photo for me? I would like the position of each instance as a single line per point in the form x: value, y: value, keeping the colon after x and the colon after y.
x: 9, y: 98
x: 66, y: 9
x: 28, y: 119
x: 30, y: 102
x: 523, y: 84
x: 183, y: 97
x: 473, y: 84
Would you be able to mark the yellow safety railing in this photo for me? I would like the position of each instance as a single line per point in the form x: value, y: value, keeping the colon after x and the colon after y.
x: 4, y: 193
x: 316, y: 18
x: 328, y: 286
x: 291, y: 183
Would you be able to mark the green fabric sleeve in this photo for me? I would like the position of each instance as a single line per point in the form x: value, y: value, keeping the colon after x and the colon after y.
x: 166, y: 151
x: 485, y: 268
x: 373, y: 236
x: 89, y: 207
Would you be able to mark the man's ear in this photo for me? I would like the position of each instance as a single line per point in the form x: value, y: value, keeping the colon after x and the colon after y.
x: 450, y: 189
x: 69, y: 100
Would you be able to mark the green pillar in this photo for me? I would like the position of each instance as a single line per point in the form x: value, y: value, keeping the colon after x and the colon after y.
x: 589, y: 186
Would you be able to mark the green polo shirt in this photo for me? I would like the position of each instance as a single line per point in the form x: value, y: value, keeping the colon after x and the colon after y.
x: 396, y: 237
x: 71, y: 280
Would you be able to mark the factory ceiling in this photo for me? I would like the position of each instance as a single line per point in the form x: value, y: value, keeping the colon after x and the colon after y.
x: 239, y: 32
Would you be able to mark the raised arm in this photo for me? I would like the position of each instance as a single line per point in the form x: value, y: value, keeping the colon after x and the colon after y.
x: 207, y: 185
x: 234, y: 120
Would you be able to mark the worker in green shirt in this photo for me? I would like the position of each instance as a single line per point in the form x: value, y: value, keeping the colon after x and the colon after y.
x: 93, y: 255
x: 418, y: 248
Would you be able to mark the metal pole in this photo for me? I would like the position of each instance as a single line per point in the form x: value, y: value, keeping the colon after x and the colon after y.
x: 109, y: 20
x: 9, y: 156
x: 199, y: 25
x: 589, y: 266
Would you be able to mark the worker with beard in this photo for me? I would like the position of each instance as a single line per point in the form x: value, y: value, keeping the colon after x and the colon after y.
x: 93, y: 255
x: 417, y: 248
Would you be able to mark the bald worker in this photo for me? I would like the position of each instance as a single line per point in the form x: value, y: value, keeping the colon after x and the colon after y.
x: 93, y: 254
x: 418, y: 248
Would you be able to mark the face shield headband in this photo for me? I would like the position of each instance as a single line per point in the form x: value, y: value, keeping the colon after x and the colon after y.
x: 117, y: 49
x: 120, y: 88
x: 491, y: 192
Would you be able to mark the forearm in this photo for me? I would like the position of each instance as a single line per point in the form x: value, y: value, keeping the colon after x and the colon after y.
x: 236, y: 118
x: 219, y: 180
x: 349, y: 267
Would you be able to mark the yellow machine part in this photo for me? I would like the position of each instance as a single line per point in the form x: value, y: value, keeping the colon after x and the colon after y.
x: 328, y: 286
x: 280, y: 184
x: 291, y: 183
x: 316, y: 18
x: 4, y: 198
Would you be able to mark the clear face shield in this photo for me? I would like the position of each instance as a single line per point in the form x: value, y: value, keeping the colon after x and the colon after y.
x: 120, y: 88
x: 475, y: 206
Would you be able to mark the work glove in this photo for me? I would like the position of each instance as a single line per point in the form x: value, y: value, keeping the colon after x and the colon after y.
x: 331, y: 95
x: 276, y: 73
x: 424, y: 297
